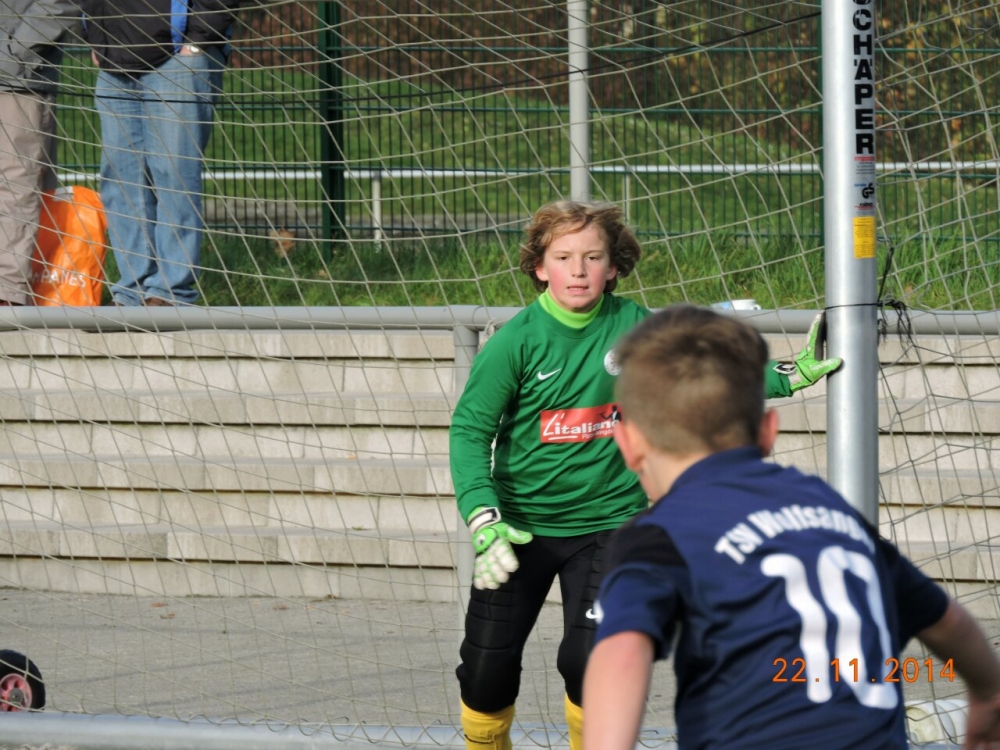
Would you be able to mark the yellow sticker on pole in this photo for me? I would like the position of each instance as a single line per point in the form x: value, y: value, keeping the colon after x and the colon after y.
x: 864, y: 237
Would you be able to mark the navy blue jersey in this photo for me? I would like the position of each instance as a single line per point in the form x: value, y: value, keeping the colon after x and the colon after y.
x: 767, y: 574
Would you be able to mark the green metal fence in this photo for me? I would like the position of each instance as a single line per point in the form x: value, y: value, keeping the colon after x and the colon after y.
x: 355, y: 130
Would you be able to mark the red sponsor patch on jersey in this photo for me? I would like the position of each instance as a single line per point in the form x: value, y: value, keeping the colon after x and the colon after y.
x: 579, y: 425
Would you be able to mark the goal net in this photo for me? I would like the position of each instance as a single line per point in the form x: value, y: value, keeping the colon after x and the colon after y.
x: 242, y: 509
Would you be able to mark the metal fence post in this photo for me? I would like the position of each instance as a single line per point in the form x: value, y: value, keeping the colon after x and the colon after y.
x: 332, y: 126
x: 377, y: 233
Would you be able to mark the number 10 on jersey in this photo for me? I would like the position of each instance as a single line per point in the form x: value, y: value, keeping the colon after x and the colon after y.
x: 832, y: 566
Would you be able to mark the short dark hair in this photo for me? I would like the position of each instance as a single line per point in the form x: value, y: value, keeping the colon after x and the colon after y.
x: 553, y: 220
x: 692, y: 380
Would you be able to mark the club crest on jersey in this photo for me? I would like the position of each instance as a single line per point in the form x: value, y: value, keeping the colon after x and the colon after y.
x: 611, y: 363
x: 579, y: 425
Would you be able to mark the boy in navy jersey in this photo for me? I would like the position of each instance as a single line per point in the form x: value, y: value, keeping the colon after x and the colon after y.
x: 789, y: 611
x: 554, y: 486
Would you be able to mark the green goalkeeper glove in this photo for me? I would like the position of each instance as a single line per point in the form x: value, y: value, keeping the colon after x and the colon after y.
x: 807, y: 367
x: 495, y: 558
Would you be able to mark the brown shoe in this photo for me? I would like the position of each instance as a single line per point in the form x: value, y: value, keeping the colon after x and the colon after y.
x: 157, y: 302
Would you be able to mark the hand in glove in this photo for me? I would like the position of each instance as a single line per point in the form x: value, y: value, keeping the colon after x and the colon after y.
x: 808, y: 369
x: 495, y: 558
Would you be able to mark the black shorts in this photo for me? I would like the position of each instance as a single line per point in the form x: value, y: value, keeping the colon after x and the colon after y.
x: 498, y: 622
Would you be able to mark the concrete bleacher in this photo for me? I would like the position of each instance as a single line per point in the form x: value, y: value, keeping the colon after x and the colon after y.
x: 316, y: 463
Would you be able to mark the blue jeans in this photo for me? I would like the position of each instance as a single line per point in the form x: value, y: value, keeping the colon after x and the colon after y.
x: 155, y: 127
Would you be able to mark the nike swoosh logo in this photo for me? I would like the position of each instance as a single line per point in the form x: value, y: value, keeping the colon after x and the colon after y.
x: 547, y: 375
x: 591, y: 615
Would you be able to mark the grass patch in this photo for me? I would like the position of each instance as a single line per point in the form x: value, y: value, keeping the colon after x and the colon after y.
x: 700, y: 270
x: 249, y: 273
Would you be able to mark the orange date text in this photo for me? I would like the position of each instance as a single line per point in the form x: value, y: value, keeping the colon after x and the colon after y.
x: 907, y: 670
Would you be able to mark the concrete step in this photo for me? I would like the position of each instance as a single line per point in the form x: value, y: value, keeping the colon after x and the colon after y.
x: 225, y: 532
x: 211, y: 443
x: 953, y: 508
x: 351, y: 498
x: 930, y: 350
x: 260, y: 561
x: 962, y: 519
x: 919, y: 350
x: 78, y: 508
x: 944, y: 527
x: 420, y: 472
x: 917, y: 504
x: 916, y: 469
x: 221, y: 579
x: 285, y: 544
x: 962, y: 570
x: 172, y: 578
x: 899, y: 451
x: 932, y: 415
x: 315, y: 463
x: 51, y: 361
x: 200, y: 407
x: 206, y: 364
x: 911, y: 381
x: 288, y: 542
x: 909, y: 488
x: 206, y: 406
x: 970, y: 562
x: 397, y: 476
x: 210, y: 376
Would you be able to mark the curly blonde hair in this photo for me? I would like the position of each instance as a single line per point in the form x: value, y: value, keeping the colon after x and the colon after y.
x: 558, y: 218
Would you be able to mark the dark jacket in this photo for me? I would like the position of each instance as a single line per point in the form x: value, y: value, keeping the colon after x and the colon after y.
x: 30, y: 33
x: 140, y: 35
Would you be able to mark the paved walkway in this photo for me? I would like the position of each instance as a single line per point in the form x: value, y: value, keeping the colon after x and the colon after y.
x: 290, y: 661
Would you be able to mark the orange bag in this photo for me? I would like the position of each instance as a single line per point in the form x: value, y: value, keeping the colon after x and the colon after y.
x: 68, y: 266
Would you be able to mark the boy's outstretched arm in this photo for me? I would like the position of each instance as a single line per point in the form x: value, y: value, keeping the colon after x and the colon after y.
x: 784, y: 379
x: 956, y: 636
x: 615, y: 687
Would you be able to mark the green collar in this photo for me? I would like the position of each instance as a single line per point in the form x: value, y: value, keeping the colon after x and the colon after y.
x: 564, y: 316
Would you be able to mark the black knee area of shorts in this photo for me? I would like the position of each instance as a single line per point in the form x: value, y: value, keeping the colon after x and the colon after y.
x: 490, y: 673
x: 579, y: 594
x: 490, y: 679
x: 572, y: 662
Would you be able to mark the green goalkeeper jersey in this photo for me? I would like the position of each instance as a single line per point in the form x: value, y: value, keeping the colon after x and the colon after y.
x: 539, y: 408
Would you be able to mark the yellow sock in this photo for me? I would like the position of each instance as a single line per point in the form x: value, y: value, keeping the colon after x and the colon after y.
x: 574, y: 721
x: 487, y: 731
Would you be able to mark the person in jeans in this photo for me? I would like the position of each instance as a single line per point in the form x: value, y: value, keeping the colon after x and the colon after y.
x: 161, y: 64
x: 29, y: 64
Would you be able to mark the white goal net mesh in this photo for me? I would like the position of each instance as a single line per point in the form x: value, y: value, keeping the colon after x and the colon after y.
x: 238, y: 516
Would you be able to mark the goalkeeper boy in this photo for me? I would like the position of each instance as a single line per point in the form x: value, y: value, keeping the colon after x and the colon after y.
x: 788, y: 610
x: 542, y: 388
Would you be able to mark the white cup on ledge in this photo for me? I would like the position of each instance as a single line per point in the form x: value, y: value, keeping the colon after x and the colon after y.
x: 737, y: 304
